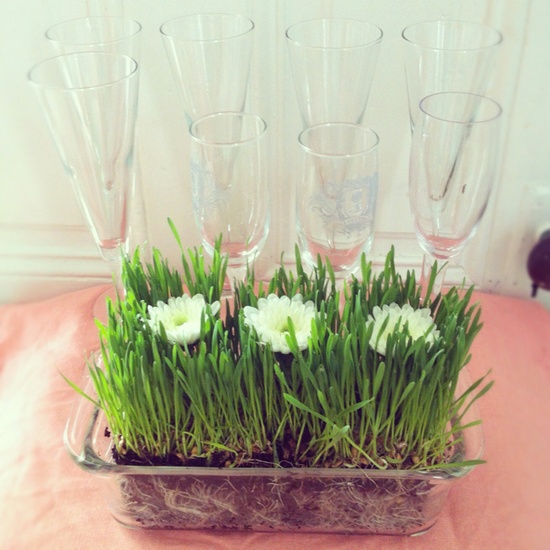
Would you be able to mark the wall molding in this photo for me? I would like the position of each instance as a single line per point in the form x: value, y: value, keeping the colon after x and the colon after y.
x: 40, y: 261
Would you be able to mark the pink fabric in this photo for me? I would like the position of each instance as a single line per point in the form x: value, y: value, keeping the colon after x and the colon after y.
x: 47, y: 502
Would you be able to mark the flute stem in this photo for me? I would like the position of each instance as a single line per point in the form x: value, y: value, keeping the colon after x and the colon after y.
x: 431, y: 287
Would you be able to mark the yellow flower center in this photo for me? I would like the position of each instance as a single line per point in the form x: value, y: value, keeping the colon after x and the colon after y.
x: 179, y: 319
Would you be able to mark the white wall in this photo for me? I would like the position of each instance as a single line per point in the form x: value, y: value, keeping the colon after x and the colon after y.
x: 44, y: 247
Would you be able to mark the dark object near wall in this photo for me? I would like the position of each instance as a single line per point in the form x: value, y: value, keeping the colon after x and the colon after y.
x: 538, y: 264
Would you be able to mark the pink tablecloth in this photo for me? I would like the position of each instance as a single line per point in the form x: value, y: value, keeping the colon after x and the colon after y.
x: 47, y: 502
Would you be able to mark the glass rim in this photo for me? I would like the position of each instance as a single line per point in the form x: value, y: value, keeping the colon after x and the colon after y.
x: 497, y: 35
x: 180, y: 36
x: 137, y: 27
x: 261, y: 126
x: 303, y: 44
x: 496, y: 109
x: 42, y: 83
x: 374, y: 136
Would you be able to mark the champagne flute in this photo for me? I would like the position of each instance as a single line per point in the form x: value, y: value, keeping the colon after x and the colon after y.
x: 210, y: 55
x: 229, y: 186
x: 90, y: 102
x: 119, y: 35
x: 97, y: 33
x: 447, y: 56
x: 210, y: 58
x: 452, y: 171
x: 333, y: 62
x: 336, y: 197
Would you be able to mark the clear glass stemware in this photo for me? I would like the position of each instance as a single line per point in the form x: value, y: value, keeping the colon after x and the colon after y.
x: 448, y: 56
x: 452, y: 171
x: 336, y: 194
x: 98, y: 33
x: 333, y: 62
x: 210, y: 59
x: 229, y: 186
x: 90, y: 103
x: 118, y: 35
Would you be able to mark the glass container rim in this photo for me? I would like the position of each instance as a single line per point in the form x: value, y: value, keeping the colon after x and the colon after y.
x: 137, y: 27
x: 373, y: 135
x: 132, y: 70
x: 498, y: 37
x: 261, y: 127
x: 376, y: 28
x: 250, y: 26
x: 496, y: 109
x: 87, y: 458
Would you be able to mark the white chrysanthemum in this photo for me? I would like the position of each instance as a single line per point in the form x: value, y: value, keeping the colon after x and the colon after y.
x: 270, y: 320
x: 181, y: 317
x: 418, y: 321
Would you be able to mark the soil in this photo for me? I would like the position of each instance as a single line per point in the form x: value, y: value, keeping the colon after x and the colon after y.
x: 266, y: 458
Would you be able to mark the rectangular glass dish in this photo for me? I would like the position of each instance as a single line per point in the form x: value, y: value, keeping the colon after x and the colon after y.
x: 320, y: 500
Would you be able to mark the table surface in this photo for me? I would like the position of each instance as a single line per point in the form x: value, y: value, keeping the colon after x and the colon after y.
x: 46, y: 501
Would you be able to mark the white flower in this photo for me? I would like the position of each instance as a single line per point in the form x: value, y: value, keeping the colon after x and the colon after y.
x: 418, y: 323
x: 181, y: 317
x: 270, y: 320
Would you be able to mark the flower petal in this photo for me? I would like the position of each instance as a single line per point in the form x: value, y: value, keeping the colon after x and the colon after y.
x: 270, y: 320
x: 417, y: 323
x: 181, y: 317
